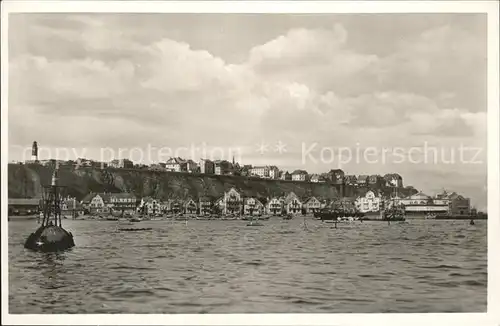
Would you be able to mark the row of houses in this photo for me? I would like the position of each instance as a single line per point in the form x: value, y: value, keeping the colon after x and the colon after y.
x: 233, y: 202
x: 419, y: 203
x: 224, y: 167
x: 29, y: 206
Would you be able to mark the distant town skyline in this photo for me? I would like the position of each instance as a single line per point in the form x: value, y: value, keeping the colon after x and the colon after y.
x: 240, y: 80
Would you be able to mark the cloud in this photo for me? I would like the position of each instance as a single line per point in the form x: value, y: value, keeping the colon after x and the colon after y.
x: 103, y: 81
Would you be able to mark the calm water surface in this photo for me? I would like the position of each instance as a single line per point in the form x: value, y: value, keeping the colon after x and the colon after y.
x: 227, y: 267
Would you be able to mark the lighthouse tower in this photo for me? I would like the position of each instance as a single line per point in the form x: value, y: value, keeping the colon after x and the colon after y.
x: 34, y: 152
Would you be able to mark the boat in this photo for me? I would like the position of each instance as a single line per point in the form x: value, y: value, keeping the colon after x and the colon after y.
x: 395, y: 212
x: 288, y: 217
x: 254, y: 222
x: 134, y: 229
x: 51, y: 236
x: 337, y: 214
x: 135, y: 219
x: 430, y: 216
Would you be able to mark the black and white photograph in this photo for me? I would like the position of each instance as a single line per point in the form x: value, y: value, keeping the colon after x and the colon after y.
x: 194, y: 159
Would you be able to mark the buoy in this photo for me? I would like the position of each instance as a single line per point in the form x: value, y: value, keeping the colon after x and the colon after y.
x: 50, y: 236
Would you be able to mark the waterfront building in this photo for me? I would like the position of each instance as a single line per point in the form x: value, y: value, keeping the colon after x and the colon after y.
x: 151, y: 206
x: 252, y: 206
x: 344, y: 203
x: 231, y: 203
x: 275, y: 206
x: 350, y: 180
x: 23, y: 206
x: 175, y: 206
x: 311, y: 205
x: 292, y: 204
x: 362, y: 180
x: 96, y: 202
x: 70, y: 206
x: 123, y: 201
x: 421, y: 204
x: 121, y: 164
x: 326, y: 203
x: 207, y: 166
x: 336, y: 176
x: 442, y: 198
x: 393, y: 180
x: 205, y: 204
x: 190, y: 206
x: 300, y: 175
x: 459, y: 205
x: 370, y: 202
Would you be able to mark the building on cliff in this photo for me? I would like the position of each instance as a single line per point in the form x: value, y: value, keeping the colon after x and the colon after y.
x: 177, y: 164
x: 207, y: 166
x: 336, y: 176
x: 318, y: 178
x: 285, y: 176
x: 266, y: 172
x: 223, y: 167
x: 393, y: 180
x: 351, y: 180
x: 121, y: 164
x: 300, y: 175
x: 362, y: 180
x: 376, y: 181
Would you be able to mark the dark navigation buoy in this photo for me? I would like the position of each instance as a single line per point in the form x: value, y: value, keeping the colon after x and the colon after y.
x: 50, y: 236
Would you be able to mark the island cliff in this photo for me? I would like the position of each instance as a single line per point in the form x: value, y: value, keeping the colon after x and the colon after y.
x: 26, y: 181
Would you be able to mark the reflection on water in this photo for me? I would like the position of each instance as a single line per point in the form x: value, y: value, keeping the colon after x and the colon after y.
x: 226, y: 267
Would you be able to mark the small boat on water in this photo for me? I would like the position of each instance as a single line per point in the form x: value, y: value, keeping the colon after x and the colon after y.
x: 336, y: 214
x: 135, y: 219
x: 254, y: 223
x: 134, y: 229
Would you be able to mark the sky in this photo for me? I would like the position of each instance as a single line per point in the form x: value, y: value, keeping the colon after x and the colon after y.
x: 313, y: 92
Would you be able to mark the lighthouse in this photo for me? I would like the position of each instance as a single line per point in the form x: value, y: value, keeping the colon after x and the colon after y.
x: 34, y: 152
